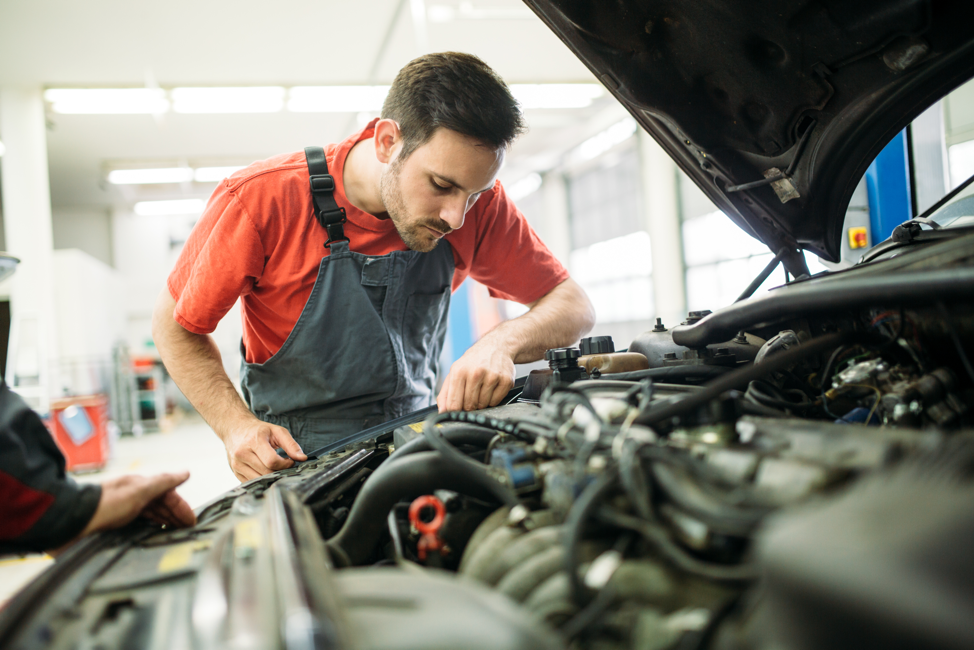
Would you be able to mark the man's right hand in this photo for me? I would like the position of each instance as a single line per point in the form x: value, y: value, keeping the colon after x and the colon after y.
x: 252, y: 448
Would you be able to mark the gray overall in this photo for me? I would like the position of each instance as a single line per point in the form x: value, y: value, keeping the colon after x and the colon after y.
x: 364, y: 350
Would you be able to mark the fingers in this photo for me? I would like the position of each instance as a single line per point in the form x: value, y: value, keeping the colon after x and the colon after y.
x: 280, y: 437
x: 177, y: 510
x: 444, y: 395
x: 472, y: 389
x: 156, y: 486
x: 455, y: 402
x: 503, y: 387
x: 252, y: 451
x: 269, y: 458
x: 443, y: 399
x: 243, y: 471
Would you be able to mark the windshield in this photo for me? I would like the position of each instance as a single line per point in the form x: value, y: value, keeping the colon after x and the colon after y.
x: 957, y: 211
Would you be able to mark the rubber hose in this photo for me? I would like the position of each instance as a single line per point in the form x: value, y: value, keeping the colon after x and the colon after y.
x: 476, y: 436
x: 583, y: 508
x: 520, y: 582
x: 720, y: 516
x: 677, y: 373
x: 484, y: 555
x: 465, y: 464
x: 493, y: 521
x: 520, y: 550
x: 407, y: 477
x: 741, y: 378
x: 551, y: 601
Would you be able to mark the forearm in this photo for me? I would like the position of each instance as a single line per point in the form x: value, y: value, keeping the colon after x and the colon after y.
x: 558, y: 319
x: 195, y: 364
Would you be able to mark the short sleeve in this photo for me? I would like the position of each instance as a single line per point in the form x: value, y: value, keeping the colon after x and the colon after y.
x: 509, y: 258
x: 222, y: 259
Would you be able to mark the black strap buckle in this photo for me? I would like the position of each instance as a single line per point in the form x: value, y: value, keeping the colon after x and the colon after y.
x: 336, y: 230
x: 329, y: 214
x: 322, y: 183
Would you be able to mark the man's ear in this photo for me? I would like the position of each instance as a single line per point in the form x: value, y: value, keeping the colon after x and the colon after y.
x: 388, y: 140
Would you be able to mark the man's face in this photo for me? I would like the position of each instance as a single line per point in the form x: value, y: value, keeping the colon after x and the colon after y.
x: 428, y: 193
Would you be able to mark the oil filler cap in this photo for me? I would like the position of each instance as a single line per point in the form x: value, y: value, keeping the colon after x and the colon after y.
x: 597, y: 345
x: 562, y: 358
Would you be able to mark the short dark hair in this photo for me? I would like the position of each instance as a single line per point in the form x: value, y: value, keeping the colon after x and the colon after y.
x: 453, y: 90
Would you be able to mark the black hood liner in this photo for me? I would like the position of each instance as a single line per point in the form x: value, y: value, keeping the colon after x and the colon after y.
x: 729, y: 89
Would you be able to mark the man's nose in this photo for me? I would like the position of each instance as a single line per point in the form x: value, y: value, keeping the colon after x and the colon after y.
x: 453, y: 212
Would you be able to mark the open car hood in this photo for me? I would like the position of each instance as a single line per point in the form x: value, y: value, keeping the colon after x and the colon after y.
x: 737, y: 91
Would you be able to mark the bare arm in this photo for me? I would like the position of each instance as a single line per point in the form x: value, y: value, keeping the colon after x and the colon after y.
x: 485, y: 373
x: 194, y: 362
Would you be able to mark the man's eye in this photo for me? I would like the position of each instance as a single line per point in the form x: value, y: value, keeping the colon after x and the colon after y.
x: 442, y: 188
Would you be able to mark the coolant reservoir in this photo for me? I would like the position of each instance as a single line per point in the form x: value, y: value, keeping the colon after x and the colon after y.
x: 599, y: 357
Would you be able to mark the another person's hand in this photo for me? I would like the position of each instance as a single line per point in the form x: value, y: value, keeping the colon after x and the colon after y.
x: 252, y: 448
x: 478, y: 379
x: 154, y: 497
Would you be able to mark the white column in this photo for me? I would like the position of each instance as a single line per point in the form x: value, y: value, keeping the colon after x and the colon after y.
x: 661, y: 219
x: 555, y: 231
x: 32, y: 354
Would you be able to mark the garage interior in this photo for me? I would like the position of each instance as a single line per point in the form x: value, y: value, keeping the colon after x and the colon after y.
x: 117, y: 120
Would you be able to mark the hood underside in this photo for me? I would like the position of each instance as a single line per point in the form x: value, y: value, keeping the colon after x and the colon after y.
x: 804, y: 92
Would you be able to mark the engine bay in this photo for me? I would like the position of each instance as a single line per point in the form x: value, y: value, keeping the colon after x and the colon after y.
x: 805, y: 483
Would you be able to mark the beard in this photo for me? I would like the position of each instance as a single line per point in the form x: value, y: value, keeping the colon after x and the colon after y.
x: 412, y: 231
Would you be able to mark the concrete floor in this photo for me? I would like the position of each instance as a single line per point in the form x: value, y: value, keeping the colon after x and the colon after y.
x: 190, y: 445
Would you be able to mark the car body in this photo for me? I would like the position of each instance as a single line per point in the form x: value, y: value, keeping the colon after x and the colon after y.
x: 729, y: 493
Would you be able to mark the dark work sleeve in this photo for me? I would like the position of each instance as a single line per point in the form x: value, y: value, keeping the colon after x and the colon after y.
x: 41, y: 508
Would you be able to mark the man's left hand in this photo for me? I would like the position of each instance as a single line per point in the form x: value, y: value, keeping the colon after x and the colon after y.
x: 478, y: 379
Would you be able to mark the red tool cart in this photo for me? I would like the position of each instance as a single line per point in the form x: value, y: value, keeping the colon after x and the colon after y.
x: 80, y: 427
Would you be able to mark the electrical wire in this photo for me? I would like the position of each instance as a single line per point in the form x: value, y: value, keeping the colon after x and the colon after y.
x: 742, y: 377
x: 583, y: 508
x: 660, y: 539
x: 502, y: 492
x: 945, y: 316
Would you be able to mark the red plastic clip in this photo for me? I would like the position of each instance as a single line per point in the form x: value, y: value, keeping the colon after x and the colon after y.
x: 430, y: 541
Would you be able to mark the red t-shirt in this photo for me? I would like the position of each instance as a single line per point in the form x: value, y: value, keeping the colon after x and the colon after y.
x: 258, y: 240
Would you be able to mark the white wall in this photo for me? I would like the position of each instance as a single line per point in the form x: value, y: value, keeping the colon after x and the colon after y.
x: 145, y: 251
x: 86, y: 229
x: 90, y: 319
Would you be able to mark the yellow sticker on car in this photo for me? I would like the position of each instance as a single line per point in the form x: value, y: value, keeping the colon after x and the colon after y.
x: 180, y: 556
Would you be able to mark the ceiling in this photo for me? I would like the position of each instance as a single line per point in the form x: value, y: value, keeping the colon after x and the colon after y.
x: 122, y: 43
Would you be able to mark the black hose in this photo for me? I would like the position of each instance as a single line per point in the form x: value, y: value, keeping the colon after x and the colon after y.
x: 578, y: 516
x: 590, y: 614
x: 717, y: 515
x: 464, y: 463
x: 690, y: 374
x: 740, y: 378
x: 469, y: 435
x: 407, y: 477
x: 660, y: 539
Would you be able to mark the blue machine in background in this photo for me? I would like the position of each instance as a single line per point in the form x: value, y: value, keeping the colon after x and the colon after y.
x: 888, y: 185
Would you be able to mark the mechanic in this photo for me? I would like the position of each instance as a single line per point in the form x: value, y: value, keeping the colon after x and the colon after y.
x: 42, y: 509
x: 341, y: 337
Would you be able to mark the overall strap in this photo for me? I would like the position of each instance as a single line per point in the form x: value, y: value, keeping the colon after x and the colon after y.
x: 327, y: 211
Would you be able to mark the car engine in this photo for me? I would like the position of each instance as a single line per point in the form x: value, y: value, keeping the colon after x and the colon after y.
x: 799, y: 475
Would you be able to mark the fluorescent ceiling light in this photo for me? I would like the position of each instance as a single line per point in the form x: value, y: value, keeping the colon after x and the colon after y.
x: 149, y: 176
x: 214, y: 174
x: 107, y: 101
x: 263, y: 99
x: 602, y: 142
x: 469, y: 11
x: 336, y: 99
x: 524, y: 187
x: 165, y: 208
x: 555, y: 95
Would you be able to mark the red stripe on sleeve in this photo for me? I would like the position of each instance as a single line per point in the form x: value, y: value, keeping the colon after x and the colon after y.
x: 20, y: 506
